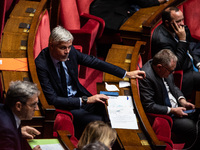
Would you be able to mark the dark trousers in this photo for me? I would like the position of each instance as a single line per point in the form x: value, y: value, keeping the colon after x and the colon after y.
x: 187, y: 130
x: 191, y: 81
x: 86, y: 114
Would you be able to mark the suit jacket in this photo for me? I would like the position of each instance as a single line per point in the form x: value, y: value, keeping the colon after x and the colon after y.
x: 151, y: 90
x: 51, y: 84
x: 114, y: 12
x: 162, y: 39
x: 10, y: 138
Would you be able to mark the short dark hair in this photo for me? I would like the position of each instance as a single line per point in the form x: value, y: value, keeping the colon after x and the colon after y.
x: 95, y: 146
x: 20, y: 91
x: 166, y: 14
x: 164, y: 57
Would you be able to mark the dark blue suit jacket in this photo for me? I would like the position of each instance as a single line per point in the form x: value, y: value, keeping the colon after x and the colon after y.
x: 51, y: 84
x: 10, y: 139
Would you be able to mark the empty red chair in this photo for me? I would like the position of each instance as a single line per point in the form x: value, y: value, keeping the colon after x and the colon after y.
x: 84, y: 27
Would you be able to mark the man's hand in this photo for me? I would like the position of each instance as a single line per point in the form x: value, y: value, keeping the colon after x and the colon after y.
x: 97, y: 98
x: 37, y: 147
x: 29, y: 132
x: 136, y: 74
x: 179, y: 30
x: 186, y: 104
x: 178, y: 111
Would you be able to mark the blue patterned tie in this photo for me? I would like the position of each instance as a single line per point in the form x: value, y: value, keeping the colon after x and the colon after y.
x: 63, y: 77
x: 166, y: 96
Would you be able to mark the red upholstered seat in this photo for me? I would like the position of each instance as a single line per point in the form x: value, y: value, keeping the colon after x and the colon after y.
x: 84, y: 27
x: 191, y: 13
x: 42, y: 35
x: 6, y: 8
x: 64, y: 121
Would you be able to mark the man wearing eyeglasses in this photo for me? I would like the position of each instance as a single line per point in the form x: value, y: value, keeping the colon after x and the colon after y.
x: 159, y: 95
x: 21, y: 103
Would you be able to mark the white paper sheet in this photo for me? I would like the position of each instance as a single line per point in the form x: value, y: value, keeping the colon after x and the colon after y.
x: 123, y: 84
x: 121, y: 114
x: 51, y: 147
x: 111, y: 87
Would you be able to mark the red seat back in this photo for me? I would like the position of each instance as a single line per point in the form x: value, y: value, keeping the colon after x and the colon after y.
x: 42, y: 35
x: 84, y: 6
x: 191, y: 11
x: 69, y: 15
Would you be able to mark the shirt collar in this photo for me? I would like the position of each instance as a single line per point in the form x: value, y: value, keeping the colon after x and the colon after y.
x: 18, y: 121
x: 55, y: 61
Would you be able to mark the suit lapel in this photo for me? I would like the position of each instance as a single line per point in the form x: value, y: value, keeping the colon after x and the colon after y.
x: 53, y: 72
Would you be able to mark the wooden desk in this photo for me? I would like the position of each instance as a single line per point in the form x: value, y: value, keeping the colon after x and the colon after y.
x: 139, y: 26
x: 144, y: 124
x: 128, y: 139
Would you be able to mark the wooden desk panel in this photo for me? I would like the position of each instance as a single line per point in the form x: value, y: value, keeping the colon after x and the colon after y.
x: 12, y: 25
x: 9, y: 76
x: 20, y: 8
x: 12, y: 41
x: 120, y: 55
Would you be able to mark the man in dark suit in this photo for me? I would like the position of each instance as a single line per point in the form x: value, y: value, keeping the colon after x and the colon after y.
x: 73, y: 96
x: 174, y: 35
x: 159, y: 95
x: 116, y: 12
x: 21, y: 103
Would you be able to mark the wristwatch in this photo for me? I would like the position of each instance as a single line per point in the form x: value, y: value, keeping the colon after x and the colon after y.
x: 84, y: 99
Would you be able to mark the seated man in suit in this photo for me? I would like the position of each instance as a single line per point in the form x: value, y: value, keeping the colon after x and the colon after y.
x: 21, y: 103
x: 174, y: 35
x: 159, y: 95
x: 72, y: 95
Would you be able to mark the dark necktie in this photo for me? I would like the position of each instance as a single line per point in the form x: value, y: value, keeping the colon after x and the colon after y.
x: 166, y: 96
x: 63, y: 78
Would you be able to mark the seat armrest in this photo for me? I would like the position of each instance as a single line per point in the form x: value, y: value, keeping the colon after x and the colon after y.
x: 84, y: 17
x: 152, y: 116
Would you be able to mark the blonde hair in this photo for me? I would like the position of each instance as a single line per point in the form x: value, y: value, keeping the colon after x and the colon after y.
x: 97, y: 131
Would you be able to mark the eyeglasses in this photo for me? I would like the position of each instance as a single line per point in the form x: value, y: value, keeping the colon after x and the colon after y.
x: 34, y: 105
x: 170, y: 71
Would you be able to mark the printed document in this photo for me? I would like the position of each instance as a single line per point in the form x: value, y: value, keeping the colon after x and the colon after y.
x: 121, y: 112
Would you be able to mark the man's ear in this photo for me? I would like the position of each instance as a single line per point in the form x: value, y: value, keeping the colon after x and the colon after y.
x: 18, y: 106
x: 159, y: 66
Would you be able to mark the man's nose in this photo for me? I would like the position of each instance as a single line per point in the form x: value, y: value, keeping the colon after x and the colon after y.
x: 37, y: 107
x: 67, y: 50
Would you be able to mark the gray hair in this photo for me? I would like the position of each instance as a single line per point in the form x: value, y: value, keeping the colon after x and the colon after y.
x: 20, y: 91
x: 164, y: 57
x: 95, y: 146
x: 60, y: 34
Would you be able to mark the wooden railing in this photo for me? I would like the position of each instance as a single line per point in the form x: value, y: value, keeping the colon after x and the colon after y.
x: 146, y: 126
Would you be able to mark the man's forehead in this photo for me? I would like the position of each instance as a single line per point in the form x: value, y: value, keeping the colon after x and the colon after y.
x: 176, y: 14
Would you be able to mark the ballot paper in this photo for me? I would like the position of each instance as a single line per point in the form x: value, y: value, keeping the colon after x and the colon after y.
x: 121, y: 112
